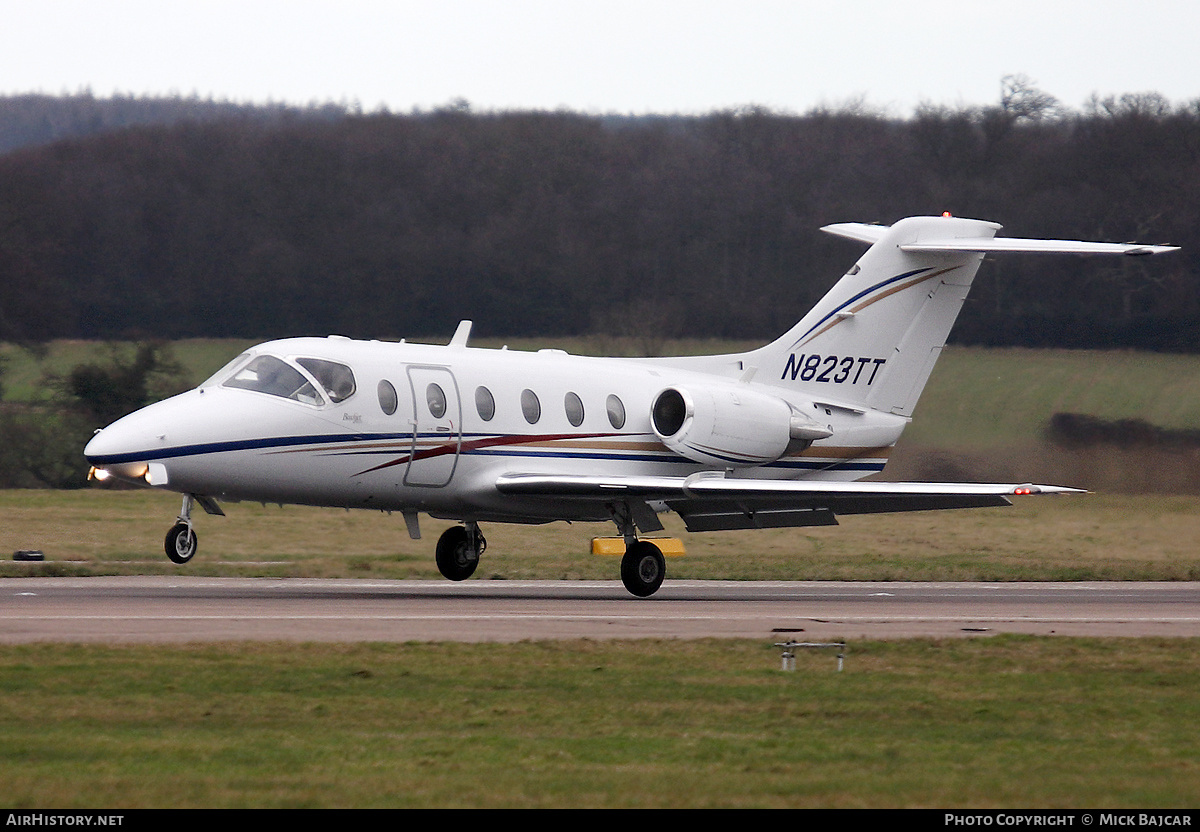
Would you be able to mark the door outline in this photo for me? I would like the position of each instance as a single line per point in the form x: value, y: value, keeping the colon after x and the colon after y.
x: 431, y: 462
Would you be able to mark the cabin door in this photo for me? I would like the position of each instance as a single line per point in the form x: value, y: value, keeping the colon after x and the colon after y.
x: 437, y: 426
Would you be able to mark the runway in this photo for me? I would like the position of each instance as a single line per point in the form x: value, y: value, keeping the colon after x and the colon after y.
x: 183, y: 609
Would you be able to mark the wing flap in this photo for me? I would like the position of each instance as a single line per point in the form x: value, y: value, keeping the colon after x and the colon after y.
x: 719, y: 521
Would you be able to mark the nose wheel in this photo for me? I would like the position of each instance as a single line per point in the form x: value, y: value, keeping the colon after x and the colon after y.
x: 181, y: 542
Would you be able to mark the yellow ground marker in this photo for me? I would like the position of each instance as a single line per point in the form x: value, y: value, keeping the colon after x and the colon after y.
x: 671, y: 547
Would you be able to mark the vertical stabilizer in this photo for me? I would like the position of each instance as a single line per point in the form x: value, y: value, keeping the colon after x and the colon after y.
x: 873, y: 339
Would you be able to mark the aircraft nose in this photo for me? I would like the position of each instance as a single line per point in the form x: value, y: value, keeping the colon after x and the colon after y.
x: 111, y: 453
x: 107, y: 444
x: 129, y: 446
x: 122, y: 441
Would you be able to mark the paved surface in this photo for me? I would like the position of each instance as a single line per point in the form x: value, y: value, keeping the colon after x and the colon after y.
x: 174, y: 609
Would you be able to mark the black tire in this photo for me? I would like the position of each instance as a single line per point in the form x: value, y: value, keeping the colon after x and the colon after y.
x: 643, y: 569
x: 181, y: 543
x: 456, y: 557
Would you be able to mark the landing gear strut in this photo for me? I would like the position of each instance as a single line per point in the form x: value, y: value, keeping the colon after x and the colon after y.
x: 643, y: 568
x: 458, y: 551
x: 181, y: 542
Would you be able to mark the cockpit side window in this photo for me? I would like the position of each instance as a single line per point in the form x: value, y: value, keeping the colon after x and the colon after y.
x: 337, y: 379
x: 268, y: 374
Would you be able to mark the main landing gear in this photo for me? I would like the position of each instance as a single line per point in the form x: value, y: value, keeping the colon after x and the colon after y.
x: 181, y: 542
x: 642, y: 568
x: 459, y: 548
x: 458, y: 551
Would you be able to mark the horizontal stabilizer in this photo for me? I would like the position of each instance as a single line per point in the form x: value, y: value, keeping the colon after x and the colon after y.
x: 1017, y: 245
x: 871, y: 234
x: 858, y: 231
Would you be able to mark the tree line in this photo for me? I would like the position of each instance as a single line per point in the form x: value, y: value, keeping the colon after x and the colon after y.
x: 543, y: 223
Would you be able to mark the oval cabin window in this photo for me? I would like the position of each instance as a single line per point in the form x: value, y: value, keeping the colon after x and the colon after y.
x: 616, y: 412
x: 574, y: 407
x: 435, y: 398
x: 485, y: 403
x: 531, y: 408
x: 388, y: 400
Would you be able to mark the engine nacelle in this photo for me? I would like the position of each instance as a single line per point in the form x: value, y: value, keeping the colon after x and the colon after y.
x: 728, y: 426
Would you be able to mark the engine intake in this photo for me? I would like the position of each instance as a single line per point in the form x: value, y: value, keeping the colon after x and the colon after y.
x: 669, y: 413
x: 728, y: 426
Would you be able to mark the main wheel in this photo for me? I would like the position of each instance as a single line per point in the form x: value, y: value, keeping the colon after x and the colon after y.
x: 643, y: 568
x: 181, y: 543
x: 456, y: 557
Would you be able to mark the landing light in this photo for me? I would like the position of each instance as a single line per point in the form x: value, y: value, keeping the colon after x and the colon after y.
x: 99, y: 474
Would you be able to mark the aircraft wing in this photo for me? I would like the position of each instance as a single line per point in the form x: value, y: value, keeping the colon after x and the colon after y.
x: 712, y: 502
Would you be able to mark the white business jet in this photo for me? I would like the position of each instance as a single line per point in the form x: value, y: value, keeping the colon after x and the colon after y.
x: 775, y: 437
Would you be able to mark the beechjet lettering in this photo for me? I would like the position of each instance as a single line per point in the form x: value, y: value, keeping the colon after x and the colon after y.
x: 780, y: 436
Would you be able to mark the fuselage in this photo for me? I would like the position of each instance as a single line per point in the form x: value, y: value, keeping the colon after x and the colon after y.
x: 397, y: 426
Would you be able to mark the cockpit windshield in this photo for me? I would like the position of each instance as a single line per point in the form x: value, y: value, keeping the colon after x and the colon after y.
x: 268, y: 374
x: 220, y: 375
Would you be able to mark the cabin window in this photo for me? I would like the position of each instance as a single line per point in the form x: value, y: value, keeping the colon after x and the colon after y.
x: 388, y: 400
x: 485, y: 403
x: 268, y: 374
x: 435, y: 399
x: 574, y: 408
x: 616, y: 412
x: 337, y: 379
x: 530, y: 406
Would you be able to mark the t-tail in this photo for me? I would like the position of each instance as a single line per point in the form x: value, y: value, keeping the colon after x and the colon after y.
x: 873, y: 340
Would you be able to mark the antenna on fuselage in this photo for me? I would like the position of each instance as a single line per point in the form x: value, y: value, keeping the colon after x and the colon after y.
x: 461, y: 334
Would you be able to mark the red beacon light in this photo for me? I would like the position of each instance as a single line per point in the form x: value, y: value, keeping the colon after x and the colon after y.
x: 946, y: 214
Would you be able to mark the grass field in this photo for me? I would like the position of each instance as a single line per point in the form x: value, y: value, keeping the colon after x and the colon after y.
x: 1003, y: 722
x: 1084, y: 537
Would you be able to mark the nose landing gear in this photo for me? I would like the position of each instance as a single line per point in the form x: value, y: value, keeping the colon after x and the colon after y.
x: 181, y: 543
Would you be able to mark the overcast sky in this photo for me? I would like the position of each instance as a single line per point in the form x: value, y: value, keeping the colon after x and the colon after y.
x: 603, y: 56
